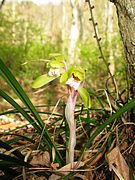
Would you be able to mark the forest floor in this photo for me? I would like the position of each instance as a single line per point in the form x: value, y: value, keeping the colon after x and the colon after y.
x: 111, y: 154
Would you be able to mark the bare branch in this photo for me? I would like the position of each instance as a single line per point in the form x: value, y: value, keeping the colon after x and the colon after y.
x: 98, y: 39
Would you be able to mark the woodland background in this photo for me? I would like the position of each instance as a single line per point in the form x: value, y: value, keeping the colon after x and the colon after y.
x: 30, y: 32
x: 89, y: 37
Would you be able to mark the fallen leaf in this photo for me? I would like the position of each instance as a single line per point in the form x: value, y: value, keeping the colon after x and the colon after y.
x: 54, y: 166
x: 89, y: 174
x: 124, y: 146
x: 65, y: 170
x: 34, y: 177
x: 80, y: 176
x: 118, y: 164
x: 41, y: 159
x: 133, y: 149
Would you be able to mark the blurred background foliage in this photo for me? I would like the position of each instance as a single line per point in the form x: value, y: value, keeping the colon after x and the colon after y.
x: 30, y: 32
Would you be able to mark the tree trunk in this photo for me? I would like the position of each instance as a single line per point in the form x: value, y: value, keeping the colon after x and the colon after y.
x: 64, y: 29
x: 74, y: 33
x: 14, y: 17
x: 110, y: 32
x: 126, y: 21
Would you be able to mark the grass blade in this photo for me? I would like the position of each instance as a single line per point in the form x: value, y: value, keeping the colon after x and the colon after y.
x: 18, y: 107
x: 15, y: 86
x: 13, y: 161
x: 116, y: 115
x: 8, y: 148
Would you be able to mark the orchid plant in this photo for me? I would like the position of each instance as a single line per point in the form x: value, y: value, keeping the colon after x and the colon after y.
x: 72, y: 78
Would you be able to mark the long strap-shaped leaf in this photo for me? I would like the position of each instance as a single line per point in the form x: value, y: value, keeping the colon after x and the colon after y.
x: 9, y: 173
x: 16, y: 152
x: 21, y: 110
x: 116, y: 115
x: 15, y: 86
x: 13, y: 161
x: 32, y: 122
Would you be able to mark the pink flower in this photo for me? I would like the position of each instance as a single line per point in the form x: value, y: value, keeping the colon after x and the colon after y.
x: 73, y: 82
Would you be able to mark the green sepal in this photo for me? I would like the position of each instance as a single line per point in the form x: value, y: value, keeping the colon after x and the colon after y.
x: 70, y: 71
x: 78, y: 72
x: 85, y: 96
x: 42, y: 80
x: 64, y: 77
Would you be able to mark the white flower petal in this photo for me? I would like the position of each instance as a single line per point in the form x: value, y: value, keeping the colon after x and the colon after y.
x: 73, y: 83
x: 54, y: 72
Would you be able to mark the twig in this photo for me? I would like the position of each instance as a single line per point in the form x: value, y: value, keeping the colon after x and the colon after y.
x: 111, y: 110
x: 99, y: 44
x: 117, y: 173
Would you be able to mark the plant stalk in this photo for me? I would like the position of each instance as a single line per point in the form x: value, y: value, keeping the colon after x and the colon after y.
x: 69, y: 114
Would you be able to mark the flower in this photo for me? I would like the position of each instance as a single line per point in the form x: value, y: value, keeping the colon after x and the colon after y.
x: 54, y: 72
x: 73, y: 82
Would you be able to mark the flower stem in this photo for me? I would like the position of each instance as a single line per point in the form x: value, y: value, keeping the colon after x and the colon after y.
x: 69, y: 113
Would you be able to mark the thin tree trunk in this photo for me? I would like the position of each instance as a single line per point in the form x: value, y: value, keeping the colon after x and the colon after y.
x: 126, y: 21
x: 80, y: 10
x: 110, y: 36
x: 14, y: 16
x: 74, y: 34
x: 64, y: 28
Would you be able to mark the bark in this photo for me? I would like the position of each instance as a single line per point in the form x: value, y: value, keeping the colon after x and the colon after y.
x: 126, y: 20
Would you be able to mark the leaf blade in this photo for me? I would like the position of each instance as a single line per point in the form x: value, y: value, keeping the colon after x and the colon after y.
x: 85, y: 96
x: 42, y: 80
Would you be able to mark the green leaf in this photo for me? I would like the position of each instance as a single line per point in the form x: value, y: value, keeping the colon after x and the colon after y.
x: 16, y: 152
x: 42, y: 80
x: 64, y: 78
x: 85, y: 96
x: 14, y: 160
x: 37, y: 122
x: 56, y: 64
x: 91, y: 90
x: 6, y: 74
x: 111, y: 119
x: 21, y: 110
